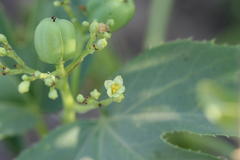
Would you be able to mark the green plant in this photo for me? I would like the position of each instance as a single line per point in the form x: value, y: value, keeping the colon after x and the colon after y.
x: 168, y: 103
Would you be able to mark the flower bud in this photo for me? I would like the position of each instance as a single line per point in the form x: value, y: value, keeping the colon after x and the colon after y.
x: 3, y: 38
x: 57, y: 3
x: 3, y: 51
x: 50, y: 81
x: 103, y: 28
x: 37, y: 74
x: 93, y: 27
x: 43, y: 75
x: 53, y: 94
x: 110, y: 22
x: 107, y: 35
x: 85, y: 23
x: 55, y: 40
x: 80, y: 98
x: 101, y: 44
x: 25, y: 77
x: 95, y: 94
x: 23, y: 87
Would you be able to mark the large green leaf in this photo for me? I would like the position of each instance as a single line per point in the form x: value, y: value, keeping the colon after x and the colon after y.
x: 14, y: 120
x: 160, y: 98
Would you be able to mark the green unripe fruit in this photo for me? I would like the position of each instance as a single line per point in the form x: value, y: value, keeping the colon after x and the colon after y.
x: 121, y: 11
x: 55, y: 40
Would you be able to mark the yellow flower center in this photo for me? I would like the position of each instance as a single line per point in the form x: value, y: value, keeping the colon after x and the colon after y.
x: 115, y: 87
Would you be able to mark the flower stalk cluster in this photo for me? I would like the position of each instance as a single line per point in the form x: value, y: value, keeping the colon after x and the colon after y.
x: 58, y: 80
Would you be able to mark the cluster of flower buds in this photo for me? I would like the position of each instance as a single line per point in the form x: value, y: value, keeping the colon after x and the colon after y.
x: 115, y: 90
x: 49, y: 81
x: 56, y: 42
x: 99, y: 34
x: 5, y: 51
x: 94, y: 96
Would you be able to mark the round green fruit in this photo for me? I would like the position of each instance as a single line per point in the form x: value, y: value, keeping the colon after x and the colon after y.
x: 55, y: 40
x: 121, y: 11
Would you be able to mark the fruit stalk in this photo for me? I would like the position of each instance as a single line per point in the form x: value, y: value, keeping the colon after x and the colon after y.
x: 69, y: 114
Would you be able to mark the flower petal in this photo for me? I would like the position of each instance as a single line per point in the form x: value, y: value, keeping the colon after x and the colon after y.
x: 109, y: 92
x: 108, y: 84
x: 118, y: 80
x: 121, y: 90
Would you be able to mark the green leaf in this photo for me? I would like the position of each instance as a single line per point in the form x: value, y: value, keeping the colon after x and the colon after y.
x: 160, y: 98
x: 200, y: 143
x: 14, y: 120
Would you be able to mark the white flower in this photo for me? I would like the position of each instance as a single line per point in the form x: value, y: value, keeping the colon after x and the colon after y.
x: 95, y: 94
x: 115, y: 87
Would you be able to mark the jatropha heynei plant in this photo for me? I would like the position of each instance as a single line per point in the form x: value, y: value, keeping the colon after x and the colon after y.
x: 56, y: 41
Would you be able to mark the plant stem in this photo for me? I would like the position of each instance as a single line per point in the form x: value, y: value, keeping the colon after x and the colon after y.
x: 158, y: 19
x: 80, y: 58
x: 41, y: 126
x: 75, y: 80
x: 12, y: 54
x: 69, y: 11
x: 69, y: 114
